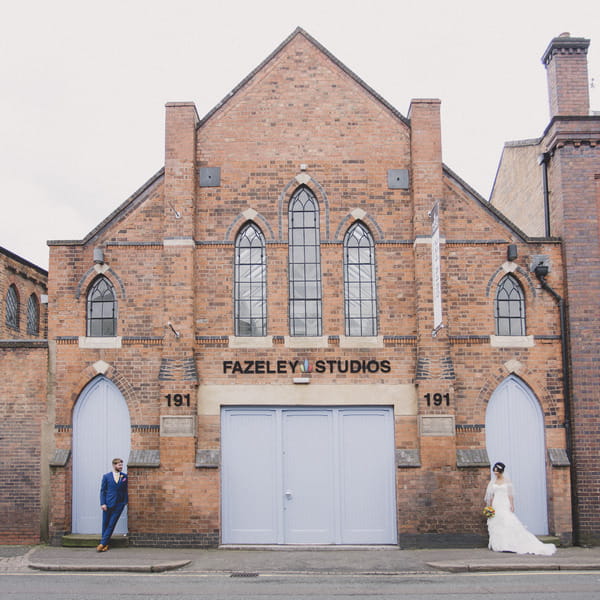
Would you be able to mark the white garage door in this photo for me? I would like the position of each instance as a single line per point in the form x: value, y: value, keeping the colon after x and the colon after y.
x: 308, y: 476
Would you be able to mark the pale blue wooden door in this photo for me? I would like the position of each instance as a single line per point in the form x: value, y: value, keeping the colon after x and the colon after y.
x: 514, y: 427
x: 309, y: 477
x: 101, y: 432
x: 250, y: 476
x: 367, y: 476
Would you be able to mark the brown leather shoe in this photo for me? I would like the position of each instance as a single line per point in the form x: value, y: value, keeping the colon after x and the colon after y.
x: 99, y: 548
x: 104, y: 549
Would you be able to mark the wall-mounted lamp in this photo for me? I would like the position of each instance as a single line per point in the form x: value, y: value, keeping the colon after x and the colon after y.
x: 175, y: 212
x: 170, y: 326
x: 98, y: 256
x: 541, y: 270
x: 511, y: 252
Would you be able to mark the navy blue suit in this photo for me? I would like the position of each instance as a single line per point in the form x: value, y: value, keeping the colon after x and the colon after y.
x: 114, y: 495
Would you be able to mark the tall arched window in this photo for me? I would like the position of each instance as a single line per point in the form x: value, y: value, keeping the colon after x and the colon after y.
x: 360, y: 295
x: 510, y: 307
x: 250, y: 283
x: 12, y: 308
x: 33, y: 315
x: 304, y: 264
x: 101, y: 309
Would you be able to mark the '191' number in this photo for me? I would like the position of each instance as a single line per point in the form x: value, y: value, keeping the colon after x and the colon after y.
x: 437, y: 399
x: 178, y: 399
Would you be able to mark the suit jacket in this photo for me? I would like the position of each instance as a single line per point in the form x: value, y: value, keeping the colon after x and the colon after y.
x: 113, y: 493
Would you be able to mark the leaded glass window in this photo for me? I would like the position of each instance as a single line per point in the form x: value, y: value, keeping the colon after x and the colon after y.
x: 304, y: 264
x: 33, y: 315
x: 360, y: 295
x: 510, y: 307
x: 250, y: 283
x: 12, y: 308
x: 101, y: 309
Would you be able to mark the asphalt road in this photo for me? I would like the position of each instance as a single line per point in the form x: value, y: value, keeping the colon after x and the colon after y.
x: 25, y: 585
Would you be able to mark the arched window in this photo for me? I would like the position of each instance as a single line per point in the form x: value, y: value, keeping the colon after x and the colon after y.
x: 510, y: 307
x: 33, y: 315
x: 12, y: 308
x: 360, y: 295
x: 101, y: 309
x: 304, y: 264
x: 250, y: 283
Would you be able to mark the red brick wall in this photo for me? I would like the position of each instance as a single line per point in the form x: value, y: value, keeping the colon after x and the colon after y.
x: 574, y: 180
x: 24, y: 369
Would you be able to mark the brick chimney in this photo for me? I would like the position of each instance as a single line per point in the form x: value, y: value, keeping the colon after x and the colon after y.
x: 568, y: 86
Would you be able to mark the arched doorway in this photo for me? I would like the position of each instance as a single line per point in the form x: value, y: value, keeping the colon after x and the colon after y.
x: 514, y: 430
x: 101, y: 432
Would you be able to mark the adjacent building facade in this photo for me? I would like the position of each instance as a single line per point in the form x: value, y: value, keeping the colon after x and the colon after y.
x: 560, y: 172
x: 23, y: 392
x: 306, y: 329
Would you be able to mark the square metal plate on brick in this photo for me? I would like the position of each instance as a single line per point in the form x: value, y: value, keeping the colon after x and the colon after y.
x: 210, y: 176
x: 398, y: 179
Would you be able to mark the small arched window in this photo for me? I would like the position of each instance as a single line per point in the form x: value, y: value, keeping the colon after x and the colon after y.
x: 304, y: 266
x: 360, y: 295
x: 33, y: 315
x: 510, y: 307
x: 250, y: 283
x: 101, y: 309
x: 12, y: 308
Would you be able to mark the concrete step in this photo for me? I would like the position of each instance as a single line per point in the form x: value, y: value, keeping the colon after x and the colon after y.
x: 549, y: 539
x: 84, y: 540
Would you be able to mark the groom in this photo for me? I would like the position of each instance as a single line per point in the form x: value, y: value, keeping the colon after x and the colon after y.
x: 113, y: 499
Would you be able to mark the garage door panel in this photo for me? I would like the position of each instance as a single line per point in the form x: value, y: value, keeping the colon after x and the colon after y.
x: 250, y: 491
x: 367, y: 477
x: 308, y: 477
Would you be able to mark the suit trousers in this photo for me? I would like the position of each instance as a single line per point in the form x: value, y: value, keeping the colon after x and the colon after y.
x: 110, y: 516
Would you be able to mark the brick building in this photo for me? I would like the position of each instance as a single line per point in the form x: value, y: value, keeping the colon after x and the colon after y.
x: 307, y: 329
x: 551, y: 186
x: 23, y: 384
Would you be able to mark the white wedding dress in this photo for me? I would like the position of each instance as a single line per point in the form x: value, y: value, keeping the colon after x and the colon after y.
x: 507, y: 533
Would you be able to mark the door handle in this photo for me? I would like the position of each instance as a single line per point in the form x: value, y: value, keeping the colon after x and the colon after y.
x: 288, y: 494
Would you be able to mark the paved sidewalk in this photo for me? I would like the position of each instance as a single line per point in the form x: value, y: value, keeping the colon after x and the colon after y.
x: 303, y: 560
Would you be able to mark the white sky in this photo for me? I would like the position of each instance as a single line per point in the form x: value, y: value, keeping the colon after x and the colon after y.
x: 84, y: 85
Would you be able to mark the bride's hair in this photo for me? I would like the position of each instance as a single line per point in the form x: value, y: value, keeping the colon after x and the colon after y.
x: 499, y: 466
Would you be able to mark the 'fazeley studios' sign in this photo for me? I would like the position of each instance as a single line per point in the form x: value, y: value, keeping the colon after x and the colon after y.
x: 282, y: 367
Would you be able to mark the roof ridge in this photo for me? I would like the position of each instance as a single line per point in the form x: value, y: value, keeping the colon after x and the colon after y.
x: 300, y: 31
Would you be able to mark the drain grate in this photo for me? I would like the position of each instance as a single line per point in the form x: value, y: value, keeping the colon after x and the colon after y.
x: 243, y: 574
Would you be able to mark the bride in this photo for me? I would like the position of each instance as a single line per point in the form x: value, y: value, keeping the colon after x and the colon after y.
x: 507, y: 533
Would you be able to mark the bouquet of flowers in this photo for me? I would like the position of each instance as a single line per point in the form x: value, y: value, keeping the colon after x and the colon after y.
x: 488, y: 512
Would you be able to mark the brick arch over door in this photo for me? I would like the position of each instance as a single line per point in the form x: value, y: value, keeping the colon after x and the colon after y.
x: 120, y: 381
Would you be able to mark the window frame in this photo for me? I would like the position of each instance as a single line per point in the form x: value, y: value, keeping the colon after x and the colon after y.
x: 90, y: 309
x: 33, y: 315
x: 367, y: 323
x: 305, y: 295
x: 255, y: 296
x: 506, y: 323
x: 13, y: 308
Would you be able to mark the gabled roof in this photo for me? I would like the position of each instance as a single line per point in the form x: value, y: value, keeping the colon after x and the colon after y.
x: 491, y: 209
x: 122, y: 210
x: 142, y: 193
x: 301, y: 32
x: 23, y: 261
